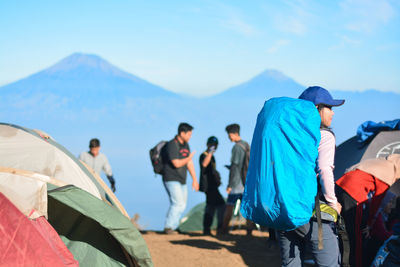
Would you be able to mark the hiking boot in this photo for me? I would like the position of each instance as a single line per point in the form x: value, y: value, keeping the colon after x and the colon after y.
x: 169, y: 231
x: 207, y: 233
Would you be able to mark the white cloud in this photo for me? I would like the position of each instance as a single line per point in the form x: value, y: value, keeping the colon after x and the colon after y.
x: 225, y: 16
x: 277, y: 46
x: 229, y: 17
x: 237, y: 24
x: 367, y: 15
x: 346, y: 41
x: 294, y: 18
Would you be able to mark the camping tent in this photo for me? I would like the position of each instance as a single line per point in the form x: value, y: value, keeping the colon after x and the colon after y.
x: 25, y: 149
x: 84, y: 212
x: 26, y: 242
x: 193, y: 220
x: 352, y: 152
x: 96, y: 233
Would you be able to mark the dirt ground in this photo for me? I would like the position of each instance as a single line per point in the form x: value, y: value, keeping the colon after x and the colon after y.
x: 194, y: 249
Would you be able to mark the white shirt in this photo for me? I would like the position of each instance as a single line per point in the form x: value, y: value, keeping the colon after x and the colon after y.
x: 98, y: 163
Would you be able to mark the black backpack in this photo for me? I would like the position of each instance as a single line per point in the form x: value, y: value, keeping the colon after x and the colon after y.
x: 156, y: 157
x: 245, y: 167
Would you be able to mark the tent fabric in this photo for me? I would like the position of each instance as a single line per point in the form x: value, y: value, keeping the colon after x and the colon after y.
x: 352, y: 152
x: 35, y: 151
x: 93, y: 231
x: 193, y: 220
x: 54, y: 240
x: 22, y: 244
x: 281, y: 182
x: 369, y: 129
x: 385, y: 169
x: 26, y: 194
x: 26, y: 150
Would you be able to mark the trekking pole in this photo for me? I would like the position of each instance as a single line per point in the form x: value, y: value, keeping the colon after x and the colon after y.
x: 236, y: 212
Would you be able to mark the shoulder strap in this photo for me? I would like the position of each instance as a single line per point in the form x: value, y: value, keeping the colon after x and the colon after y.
x: 245, y: 148
x: 323, y: 128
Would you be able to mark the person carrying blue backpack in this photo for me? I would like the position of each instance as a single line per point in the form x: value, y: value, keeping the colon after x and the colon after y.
x: 290, y: 184
x: 294, y: 243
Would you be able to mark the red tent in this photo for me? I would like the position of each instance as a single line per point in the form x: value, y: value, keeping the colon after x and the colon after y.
x: 25, y: 242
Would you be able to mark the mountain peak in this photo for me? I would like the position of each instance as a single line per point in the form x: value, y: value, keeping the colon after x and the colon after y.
x: 89, y: 61
x: 83, y: 76
x: 274, y: 74
x: 269, y: 83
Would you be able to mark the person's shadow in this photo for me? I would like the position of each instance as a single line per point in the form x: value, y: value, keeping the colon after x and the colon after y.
x: 254, y: 250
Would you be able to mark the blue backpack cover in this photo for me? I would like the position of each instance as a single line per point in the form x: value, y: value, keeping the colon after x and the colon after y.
x: 281, y: 182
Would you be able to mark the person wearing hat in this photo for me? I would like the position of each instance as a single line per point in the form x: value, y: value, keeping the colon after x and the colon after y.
x: 210, y: 180
x: 293, y: 243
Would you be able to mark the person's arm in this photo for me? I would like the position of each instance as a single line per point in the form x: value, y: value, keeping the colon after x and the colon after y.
x: 106, y: 166
x: 326, y: 157
x: 190, y: 166
x: 108, y: 171
x: 234, y: 171
x: 207, y: 159
x: 178, y: 163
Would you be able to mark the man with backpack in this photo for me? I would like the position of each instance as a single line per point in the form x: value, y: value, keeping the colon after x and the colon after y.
x: 237, y: 174
x: 177, y: 160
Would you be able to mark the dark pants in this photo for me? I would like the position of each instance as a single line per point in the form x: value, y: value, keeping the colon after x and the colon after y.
x: 209, y: 216
x: 214, y: 203
x: 294, y: 244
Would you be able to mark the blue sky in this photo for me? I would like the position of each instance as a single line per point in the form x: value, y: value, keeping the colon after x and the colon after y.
x: 204, y: 47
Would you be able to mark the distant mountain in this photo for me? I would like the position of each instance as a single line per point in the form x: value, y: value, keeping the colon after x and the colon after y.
x: 83, y: 79
x: 84, y: 96
x: 270, y: 83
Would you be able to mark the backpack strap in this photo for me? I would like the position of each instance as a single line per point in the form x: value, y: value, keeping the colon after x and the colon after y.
x: 319, y: 222
x: 243, y: 146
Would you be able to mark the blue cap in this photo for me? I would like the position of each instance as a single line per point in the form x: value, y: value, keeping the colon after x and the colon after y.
x: 319, y: 95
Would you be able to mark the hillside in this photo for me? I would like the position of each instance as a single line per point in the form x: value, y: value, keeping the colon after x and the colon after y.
x: 82, y: 79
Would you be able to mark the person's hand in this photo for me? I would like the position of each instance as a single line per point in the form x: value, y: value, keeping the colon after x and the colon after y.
x: 338, y: 207
x: 192, y: 154
x: 228, y: 190
x: 113, y: 187
x: 211, y: 149
x: 366, y: 232
x: 112, y: 182
x: 195, y: 186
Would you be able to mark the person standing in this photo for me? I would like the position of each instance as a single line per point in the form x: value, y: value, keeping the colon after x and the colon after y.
x: 235, y: 186
x: 210, y: 180
x: 293, y: 243
x: 178, y: 160
x: 98, y: 161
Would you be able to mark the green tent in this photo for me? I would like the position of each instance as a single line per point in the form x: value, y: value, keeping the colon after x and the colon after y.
x: 96, y: 233
x: 193, y: 220
x: 89, y: 218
